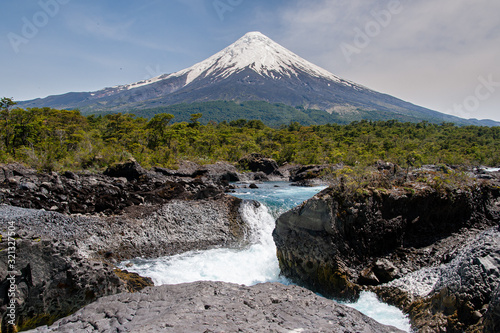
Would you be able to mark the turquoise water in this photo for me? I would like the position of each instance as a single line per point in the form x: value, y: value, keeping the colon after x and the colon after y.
x: 278, y: 197
x: 257, y: 262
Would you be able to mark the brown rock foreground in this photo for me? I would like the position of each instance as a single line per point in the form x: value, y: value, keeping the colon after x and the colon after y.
x: 217, y: 307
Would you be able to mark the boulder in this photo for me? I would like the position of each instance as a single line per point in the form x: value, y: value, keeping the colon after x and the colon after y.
x: 385, y: 270
x: 13, y: 170
x: 381, y: 271
x: 130, y: 170
x: 257, y: 162
x: 386, y: 166
x: 222, y: 171
x: 260, y: 176
x: 309, y: 172
x: 217, y: 307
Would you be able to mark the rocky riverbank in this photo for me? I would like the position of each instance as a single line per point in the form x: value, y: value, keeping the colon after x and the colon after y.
x: 70, y: 228
x: 347, y: 239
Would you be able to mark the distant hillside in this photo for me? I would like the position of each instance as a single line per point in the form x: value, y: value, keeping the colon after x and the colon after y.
x: 276, y: 114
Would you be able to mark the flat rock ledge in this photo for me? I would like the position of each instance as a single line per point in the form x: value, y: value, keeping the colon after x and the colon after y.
x: 217, y: 307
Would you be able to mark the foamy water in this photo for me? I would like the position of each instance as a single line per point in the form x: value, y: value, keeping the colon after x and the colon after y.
x: 369, y: 305
x: 257, y: 262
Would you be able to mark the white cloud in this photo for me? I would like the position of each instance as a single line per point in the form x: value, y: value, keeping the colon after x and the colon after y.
x: 431, y: 53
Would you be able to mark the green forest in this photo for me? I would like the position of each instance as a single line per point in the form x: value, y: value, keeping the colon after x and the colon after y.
x: 272, y: 114
x: 49, y: 139
x: 276, y: 114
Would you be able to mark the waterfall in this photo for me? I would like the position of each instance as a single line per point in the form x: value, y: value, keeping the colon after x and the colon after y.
x: 256, y: 261
x: 252, y: 264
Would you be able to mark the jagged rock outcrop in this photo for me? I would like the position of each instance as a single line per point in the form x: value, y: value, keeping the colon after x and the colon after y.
x: 128, y: 184
x: 303, y: 173
x: 458, y: 296
x: 220, y: 171
x: 130, y: 170
x: 344, y: 240
x: 69, y: 255
x: 53, y: 279
x: 217, y: 307
x: 66, y: 261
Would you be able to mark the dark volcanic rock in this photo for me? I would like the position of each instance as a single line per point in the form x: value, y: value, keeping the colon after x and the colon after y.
x: 130, y: 170
x: 257, y: 162
x: 217, y: 307
x: 127, y: 185
x: 492, y: 317
x: 454, y: 296
x: 66, y: 260
x: 308, y: 172
x: 149, y: 231
x: 341, y: 241
x: 59, y: 249
x: 260, y: 176
x: 10, y: 171
x: 217, y: 171
x: 53, y: 280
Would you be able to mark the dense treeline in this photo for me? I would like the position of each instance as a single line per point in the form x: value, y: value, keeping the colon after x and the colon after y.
x: 272, y: 114
x: 50, y: 139
x: 276, y: 114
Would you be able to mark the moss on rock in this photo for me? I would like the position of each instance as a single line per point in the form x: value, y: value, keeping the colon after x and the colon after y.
x: 133, y: 281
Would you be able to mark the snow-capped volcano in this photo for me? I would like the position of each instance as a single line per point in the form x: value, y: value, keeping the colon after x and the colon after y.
x: 254, y: 68
x: 259, y: 53
x: 253, y: 51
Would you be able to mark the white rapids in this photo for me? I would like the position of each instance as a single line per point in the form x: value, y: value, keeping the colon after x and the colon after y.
x: 255, y: 263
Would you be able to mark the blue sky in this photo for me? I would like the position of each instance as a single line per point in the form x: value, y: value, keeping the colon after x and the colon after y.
x: 444, y: 55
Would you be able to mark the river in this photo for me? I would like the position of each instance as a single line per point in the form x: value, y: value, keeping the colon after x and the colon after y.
x: 256, y: 262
